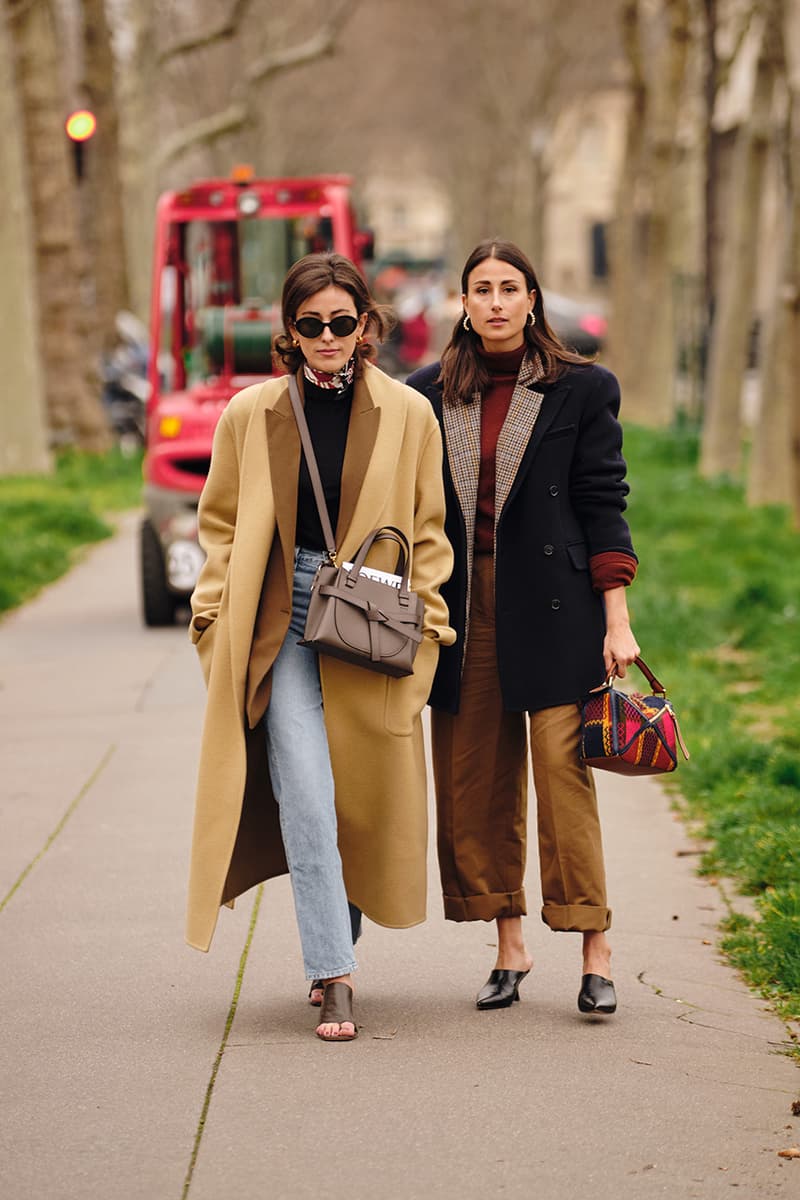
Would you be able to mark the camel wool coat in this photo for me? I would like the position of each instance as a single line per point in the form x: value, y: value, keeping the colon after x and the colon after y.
x: 392, y: 475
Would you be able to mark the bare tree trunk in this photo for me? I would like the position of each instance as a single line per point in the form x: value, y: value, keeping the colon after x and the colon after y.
x: 718, y: 143
x: 138, y: 89
x: 101, y: 191
x: 74, y: 412
x: 721, y: 451
x: 23, y: 441
x: 774, y: 476
x: 789, y: 348
x: 643, y: 336
x: 624, y: 240
x: 658, y: 366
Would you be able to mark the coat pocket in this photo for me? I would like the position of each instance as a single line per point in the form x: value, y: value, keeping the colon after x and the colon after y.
x: 562, y: 431
x: 578, y: 555
x: 205, y: 649
x: 406, y: 697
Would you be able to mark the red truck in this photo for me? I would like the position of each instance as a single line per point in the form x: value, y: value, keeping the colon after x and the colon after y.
x: 222, y: 249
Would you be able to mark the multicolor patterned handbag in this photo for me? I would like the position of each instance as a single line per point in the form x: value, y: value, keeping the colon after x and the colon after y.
x: 631, y: 734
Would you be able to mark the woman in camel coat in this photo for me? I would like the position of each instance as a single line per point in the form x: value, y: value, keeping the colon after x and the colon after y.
x: 254, y: 507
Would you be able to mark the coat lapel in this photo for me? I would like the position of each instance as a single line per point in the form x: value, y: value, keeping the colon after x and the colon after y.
x: 462, y: 438
x: 362, y: 433
x: 462, y: 435
x: 376, y: 425
x: 547, y: 408
x: 283, y: 445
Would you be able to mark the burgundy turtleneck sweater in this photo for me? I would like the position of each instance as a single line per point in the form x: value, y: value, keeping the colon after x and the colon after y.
x: 495, y: 401
x: 608, y: 570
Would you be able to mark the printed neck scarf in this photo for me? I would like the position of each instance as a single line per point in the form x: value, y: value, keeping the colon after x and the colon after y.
x: 340, y: 381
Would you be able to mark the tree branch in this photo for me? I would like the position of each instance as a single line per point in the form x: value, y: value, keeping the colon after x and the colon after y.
x: 226, y: 29
x: 725, y: 63
x: 316, y: 46
x: 237, y: 114
x: 18, y: 8
x: 207, y: 129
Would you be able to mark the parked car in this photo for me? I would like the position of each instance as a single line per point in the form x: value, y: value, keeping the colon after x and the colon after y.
x: 580, y: 326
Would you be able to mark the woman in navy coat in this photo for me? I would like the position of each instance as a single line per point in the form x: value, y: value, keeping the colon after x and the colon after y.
x: 535, y: 488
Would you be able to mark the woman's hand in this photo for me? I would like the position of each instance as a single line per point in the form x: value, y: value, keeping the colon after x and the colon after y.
x: 620, y: 647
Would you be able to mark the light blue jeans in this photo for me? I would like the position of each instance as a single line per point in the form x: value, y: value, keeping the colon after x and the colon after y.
x: 302, y: 783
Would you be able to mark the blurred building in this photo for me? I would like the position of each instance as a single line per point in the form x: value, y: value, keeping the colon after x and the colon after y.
x: 408, y: 213
x: 582, y: 162
x: 577, y: 165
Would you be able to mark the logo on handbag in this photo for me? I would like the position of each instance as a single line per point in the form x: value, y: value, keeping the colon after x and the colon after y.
x: 631, y: 734
x: 373, y: 573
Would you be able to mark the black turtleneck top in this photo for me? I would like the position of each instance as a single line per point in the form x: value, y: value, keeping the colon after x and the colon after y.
x: 328, y: 416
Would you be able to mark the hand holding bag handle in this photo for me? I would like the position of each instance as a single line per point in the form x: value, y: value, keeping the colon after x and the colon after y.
x: 630, y: 733
x: 660, y: 690
x: 657, y: 687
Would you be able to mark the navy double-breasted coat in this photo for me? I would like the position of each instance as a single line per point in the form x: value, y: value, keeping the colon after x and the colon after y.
x: 560, y: 499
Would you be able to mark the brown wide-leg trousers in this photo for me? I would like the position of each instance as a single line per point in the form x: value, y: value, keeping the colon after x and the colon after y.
x: 480, y: 762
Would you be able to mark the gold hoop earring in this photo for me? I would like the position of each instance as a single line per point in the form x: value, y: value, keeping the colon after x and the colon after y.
x: 531, y: 317
x: 295, y: 342
x: 466, y: 323
x: 359, y: 339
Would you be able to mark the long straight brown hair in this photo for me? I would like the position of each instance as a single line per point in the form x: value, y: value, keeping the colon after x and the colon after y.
x: 463, y: 370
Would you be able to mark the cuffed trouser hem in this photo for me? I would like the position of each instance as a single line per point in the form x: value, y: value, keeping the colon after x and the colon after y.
x: 323, y: 976
x: 485, y: 907
x: 576, y: 918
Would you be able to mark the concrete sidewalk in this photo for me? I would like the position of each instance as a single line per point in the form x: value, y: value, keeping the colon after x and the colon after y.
x: 123, y: 1078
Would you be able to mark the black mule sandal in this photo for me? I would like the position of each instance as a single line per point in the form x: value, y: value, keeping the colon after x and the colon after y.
x: 337, y: 1007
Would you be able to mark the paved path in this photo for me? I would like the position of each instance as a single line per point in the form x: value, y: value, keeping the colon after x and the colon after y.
x: 124, y: 1078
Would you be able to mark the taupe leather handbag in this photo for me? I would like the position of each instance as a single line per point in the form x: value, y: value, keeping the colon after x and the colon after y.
x: 366, y: 617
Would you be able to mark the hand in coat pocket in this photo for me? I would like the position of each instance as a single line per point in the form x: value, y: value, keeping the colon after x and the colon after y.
x: 406, y: 697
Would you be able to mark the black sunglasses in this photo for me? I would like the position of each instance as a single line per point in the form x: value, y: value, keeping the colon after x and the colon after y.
x: 312, y: 327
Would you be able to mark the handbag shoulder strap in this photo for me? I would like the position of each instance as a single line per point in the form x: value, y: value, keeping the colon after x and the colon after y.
x: 313, y: 469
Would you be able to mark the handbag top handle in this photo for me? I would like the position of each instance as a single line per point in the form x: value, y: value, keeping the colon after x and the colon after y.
x: 313, y: 469
x: 658, y: 688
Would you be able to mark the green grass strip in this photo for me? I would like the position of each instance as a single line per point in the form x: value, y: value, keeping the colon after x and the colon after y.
x: 48, y: 519
x: 198, y: 1137
x: 70, y: 810
x: 716, y: 609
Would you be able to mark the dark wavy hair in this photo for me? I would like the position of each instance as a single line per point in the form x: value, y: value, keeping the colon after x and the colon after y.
x: 463, y: 370
x: 310, y: 275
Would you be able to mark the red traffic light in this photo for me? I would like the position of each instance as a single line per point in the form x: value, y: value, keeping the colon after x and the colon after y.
x: 80, y: 125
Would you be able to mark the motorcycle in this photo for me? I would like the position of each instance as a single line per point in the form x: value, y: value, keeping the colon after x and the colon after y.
x: 126, y: 389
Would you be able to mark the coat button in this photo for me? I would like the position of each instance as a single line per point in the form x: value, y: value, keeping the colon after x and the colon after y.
x: 548, y: 549
x: 553, y: 490
x: 556, y: 604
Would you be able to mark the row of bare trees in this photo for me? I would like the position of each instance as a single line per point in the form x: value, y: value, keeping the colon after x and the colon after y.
x: 460, y: 92
x: 710, y: 178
